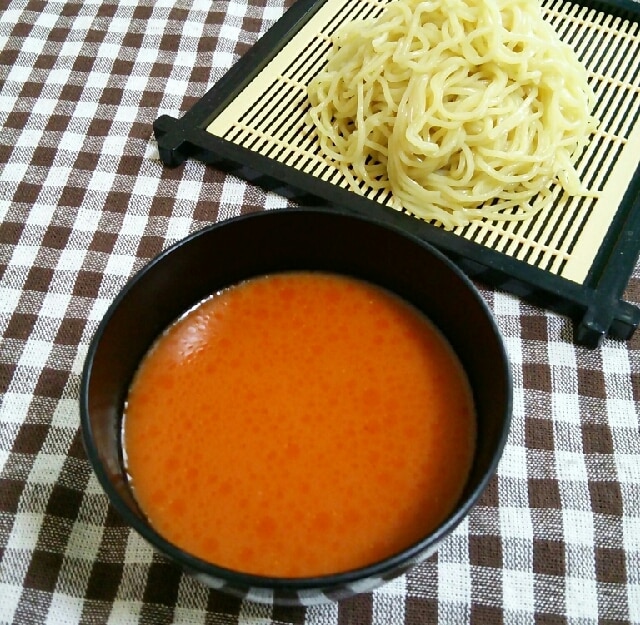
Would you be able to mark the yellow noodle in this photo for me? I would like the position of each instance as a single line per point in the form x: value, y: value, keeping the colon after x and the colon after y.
x: 461, y: 109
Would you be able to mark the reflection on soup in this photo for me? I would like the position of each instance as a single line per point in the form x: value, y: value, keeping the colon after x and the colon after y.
x: 299, y: 424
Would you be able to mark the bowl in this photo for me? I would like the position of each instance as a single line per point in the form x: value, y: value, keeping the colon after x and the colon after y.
x: 323, y: 239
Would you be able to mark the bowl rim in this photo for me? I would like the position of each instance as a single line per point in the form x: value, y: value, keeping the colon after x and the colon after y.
x: 381, y: 569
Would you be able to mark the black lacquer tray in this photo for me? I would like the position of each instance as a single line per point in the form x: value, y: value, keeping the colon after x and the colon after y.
x: 575, y: 258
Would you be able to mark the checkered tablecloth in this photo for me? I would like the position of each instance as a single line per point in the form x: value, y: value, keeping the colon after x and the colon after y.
x: 85, y: 202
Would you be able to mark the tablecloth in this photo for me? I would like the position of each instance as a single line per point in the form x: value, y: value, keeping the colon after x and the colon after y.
x: 85, y: 203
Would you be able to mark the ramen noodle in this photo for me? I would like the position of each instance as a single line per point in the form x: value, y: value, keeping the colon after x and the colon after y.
x: 461, y: 109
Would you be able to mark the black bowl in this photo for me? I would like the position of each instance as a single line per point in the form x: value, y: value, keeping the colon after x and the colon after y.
x: 264, y: 243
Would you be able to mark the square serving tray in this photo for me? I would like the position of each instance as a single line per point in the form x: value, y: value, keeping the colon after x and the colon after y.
x: 575, y: 258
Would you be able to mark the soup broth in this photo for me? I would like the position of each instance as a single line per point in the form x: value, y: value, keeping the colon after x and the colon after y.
x: 299, y: 424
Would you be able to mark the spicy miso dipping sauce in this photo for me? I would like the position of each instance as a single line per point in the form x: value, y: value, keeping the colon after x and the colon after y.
x: 297, y: 425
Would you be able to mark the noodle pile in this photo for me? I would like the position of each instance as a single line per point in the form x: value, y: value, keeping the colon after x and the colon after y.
x: 462, y: 109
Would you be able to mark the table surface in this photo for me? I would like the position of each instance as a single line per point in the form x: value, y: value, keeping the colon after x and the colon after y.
x: 85, y: 203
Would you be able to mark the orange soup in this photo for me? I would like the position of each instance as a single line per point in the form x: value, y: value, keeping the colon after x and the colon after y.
x: 299, y: 424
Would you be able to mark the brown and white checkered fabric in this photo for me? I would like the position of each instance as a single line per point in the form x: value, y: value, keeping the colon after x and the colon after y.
x: 84, y: 203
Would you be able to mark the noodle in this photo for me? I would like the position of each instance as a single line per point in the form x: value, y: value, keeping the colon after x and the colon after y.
x: 462, y: 109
